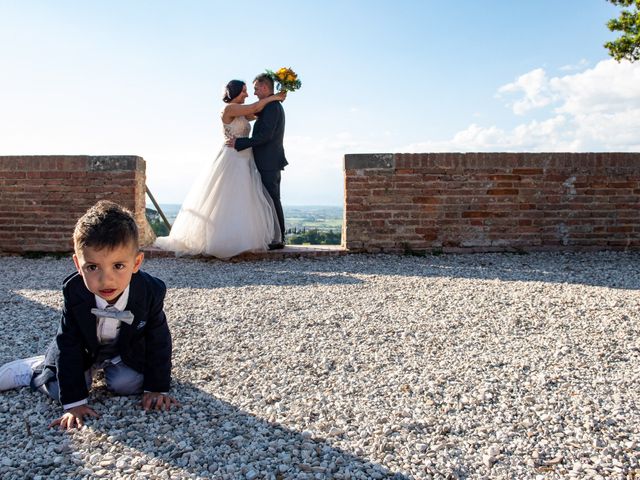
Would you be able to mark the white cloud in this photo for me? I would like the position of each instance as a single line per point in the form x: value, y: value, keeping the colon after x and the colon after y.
x: 583, y: 63
x: 535, y: 89
x: 609, y: 87
x: 594, y: 110
x: 536, y: 135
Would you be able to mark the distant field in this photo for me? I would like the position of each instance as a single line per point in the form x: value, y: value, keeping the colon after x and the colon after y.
x: 322, y: 218
x: 298, y: 217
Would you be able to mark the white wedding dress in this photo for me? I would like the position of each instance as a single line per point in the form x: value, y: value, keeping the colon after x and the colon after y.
x: 227, y: 211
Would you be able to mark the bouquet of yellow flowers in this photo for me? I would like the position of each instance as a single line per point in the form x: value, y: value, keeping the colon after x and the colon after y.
x: 286, y: 79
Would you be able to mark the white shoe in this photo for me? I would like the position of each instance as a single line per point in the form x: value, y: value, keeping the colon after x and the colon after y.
x: 18, y: 373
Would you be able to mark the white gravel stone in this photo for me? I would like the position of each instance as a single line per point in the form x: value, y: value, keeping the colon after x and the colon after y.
x: 365, y: 366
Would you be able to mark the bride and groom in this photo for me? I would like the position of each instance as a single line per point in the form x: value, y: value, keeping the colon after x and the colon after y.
x: 234, y: 206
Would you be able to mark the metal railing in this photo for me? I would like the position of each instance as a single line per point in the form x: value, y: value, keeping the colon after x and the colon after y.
x: 158, y: 209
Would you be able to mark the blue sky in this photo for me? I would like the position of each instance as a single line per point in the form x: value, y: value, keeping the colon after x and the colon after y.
x: 145, y: 78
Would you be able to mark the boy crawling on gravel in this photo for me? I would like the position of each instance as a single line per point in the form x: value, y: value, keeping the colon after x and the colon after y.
x: 112, y: 319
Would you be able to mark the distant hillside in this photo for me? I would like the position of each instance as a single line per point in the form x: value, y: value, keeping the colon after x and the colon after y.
x: 313, y: 217
x: 297, y: 217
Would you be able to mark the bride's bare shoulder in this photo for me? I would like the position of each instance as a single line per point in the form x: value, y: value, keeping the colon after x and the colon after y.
x: 226, y: 115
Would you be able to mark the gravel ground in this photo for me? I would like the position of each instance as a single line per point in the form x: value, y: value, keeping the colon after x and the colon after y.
x: 492, y: 366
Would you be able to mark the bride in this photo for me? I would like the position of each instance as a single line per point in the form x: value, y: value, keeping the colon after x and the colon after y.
x: 227, y: 211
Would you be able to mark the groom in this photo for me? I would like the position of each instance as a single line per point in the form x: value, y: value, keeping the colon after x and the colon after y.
x: 268, y: 151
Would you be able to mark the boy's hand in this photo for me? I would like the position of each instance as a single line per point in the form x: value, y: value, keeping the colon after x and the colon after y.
x: 74, y: 416
x: 158, y: 401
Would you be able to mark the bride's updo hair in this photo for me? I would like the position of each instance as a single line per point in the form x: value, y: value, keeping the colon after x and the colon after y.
x: 232, y: 90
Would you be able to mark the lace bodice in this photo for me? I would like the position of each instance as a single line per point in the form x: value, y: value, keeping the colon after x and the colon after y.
x: 239, y: 127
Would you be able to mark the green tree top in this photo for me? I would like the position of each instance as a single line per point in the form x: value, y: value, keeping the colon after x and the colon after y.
x: 626, y: 46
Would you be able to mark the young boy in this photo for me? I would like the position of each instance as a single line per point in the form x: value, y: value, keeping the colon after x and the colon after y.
x: 112, y: 319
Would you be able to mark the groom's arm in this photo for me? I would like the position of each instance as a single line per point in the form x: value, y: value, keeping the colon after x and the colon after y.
x: 264, y: 130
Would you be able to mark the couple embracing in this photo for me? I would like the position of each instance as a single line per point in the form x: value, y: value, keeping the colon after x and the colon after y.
x: 234, y: 206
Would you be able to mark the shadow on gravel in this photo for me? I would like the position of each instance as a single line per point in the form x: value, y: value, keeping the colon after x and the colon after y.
x: 593, y: 269
x: 208, y: 435
x: 599, y: 269
x: 207, y: 275
x: 206, y: 438
x: 16, y: 311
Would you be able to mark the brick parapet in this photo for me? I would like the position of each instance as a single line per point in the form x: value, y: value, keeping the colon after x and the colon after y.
x: 491, y: 201
x: 41, y: 197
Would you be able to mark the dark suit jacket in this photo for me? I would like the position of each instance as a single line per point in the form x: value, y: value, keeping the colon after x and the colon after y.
x: 145, y: 345
x: 266, y: 139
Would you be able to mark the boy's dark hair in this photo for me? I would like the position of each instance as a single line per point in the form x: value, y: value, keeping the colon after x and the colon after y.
x: 105, y: 225
x: 264, y: 78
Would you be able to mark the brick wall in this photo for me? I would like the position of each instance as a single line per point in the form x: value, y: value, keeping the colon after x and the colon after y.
x: 41, y: 197
x: 491, y: 201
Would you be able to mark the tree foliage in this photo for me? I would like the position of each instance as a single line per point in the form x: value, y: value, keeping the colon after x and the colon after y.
x: 314, y: 237
x: 627, y: 46
x: 156, y: 223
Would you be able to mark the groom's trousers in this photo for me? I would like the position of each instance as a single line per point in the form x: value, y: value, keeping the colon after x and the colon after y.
x: 271, y: 181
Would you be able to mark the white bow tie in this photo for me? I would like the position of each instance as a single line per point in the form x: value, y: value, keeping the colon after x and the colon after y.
x: 125, y: 316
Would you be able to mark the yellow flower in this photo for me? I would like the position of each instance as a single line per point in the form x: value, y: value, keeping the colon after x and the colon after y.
x: 286, y: 78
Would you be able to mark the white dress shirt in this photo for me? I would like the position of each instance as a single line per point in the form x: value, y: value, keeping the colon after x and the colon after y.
x: 107, y: 330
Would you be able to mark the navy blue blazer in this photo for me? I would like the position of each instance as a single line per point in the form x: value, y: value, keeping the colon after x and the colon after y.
x: 266, y: 140
x: 145, y: 345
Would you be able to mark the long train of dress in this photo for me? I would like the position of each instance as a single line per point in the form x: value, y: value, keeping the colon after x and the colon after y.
x: 227, y: 211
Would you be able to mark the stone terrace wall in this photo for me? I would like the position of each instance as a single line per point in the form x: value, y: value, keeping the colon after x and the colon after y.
x: 491, y: 201
x: 41, y: 197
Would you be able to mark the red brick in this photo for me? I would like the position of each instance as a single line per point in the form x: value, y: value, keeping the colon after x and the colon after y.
x: 506, y: 198
x: 477, y: 214
x: 504, y: 177
x: 502, y: 191
x: 527, y: 171
x: 41, y: 197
